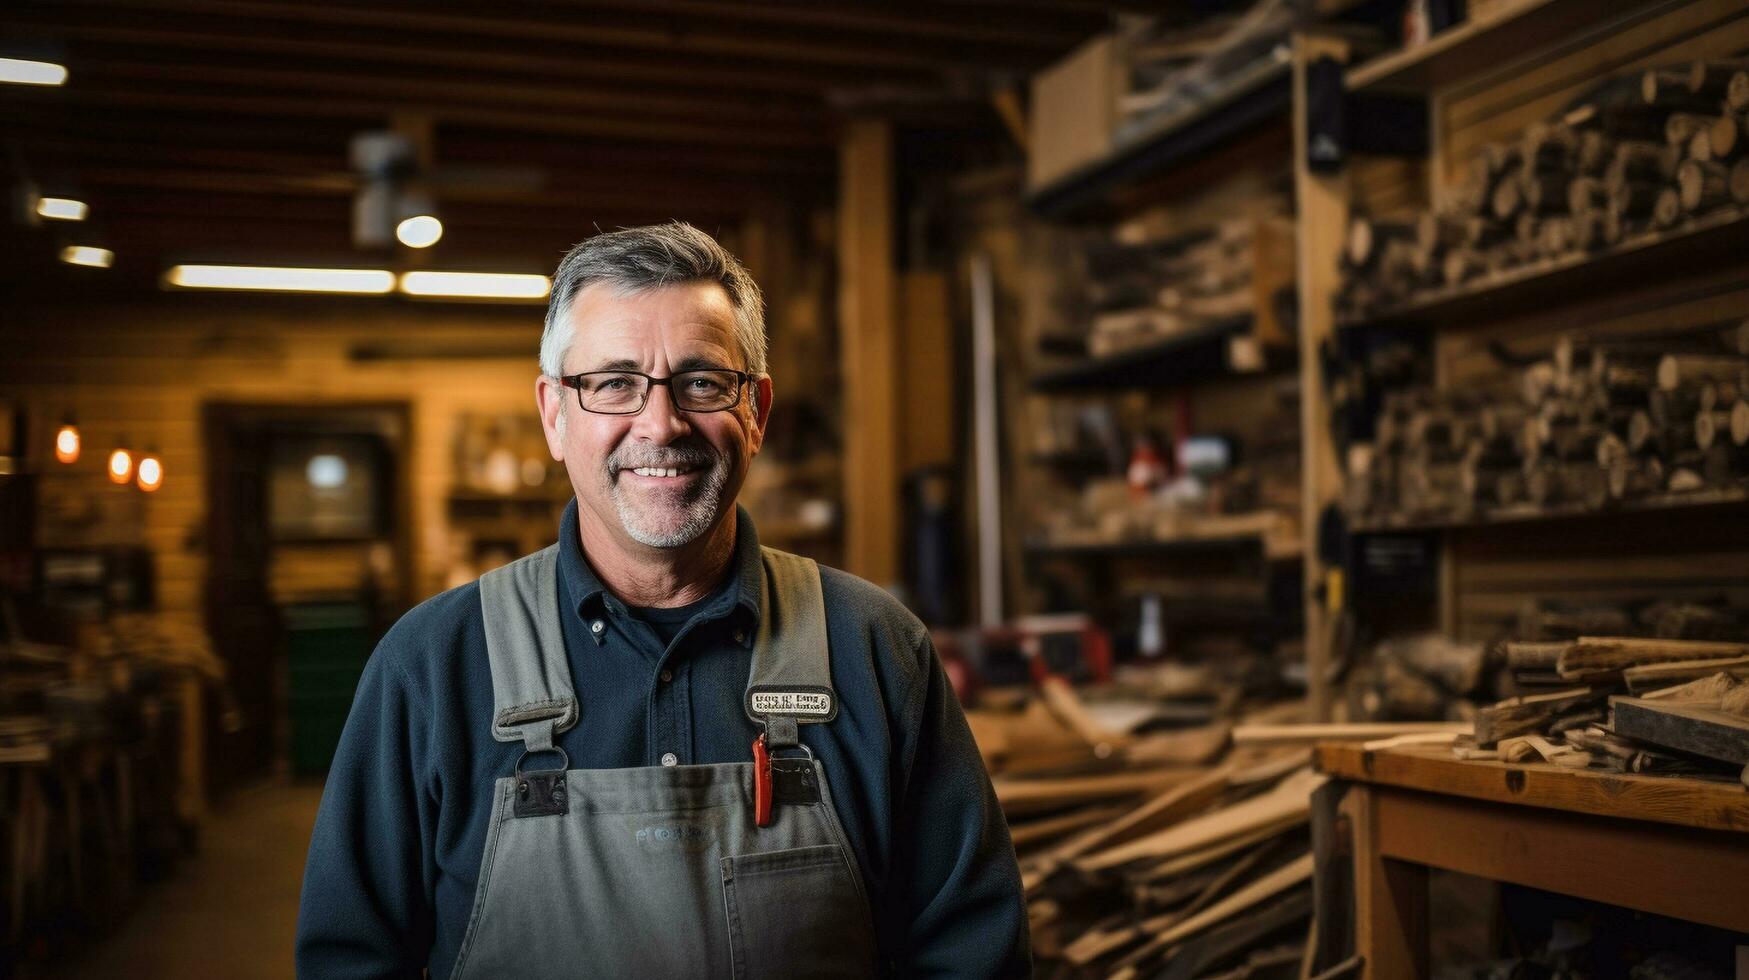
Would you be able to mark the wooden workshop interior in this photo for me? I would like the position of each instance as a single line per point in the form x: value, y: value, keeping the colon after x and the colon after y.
x: 1314, y: 432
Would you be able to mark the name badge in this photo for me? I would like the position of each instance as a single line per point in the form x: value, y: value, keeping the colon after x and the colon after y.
x: 800, y: 703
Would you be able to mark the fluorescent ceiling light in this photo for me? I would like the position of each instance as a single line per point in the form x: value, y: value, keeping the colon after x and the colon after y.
x: 23, y: 72
x: 419, y: 231
x: 475, y: 285
x: 61, y: 208
x: 285, y: 280
x: 91, y: 255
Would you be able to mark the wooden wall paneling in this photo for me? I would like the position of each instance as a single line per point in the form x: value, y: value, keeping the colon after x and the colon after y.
x: 869, y: 350
x: 1322, y: 203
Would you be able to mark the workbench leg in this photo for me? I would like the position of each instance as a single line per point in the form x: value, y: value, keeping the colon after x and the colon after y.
x: 1390, y: 899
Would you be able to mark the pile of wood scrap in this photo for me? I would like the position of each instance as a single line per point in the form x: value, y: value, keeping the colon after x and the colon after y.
x: 1634, y: 704
x: 1176, y: 853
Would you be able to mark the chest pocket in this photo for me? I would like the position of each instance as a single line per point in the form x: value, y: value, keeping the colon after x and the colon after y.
x: 802, y: 905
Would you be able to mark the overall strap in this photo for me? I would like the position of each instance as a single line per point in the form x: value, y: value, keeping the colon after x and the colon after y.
x: 791, y: 679
x: 531, y: 678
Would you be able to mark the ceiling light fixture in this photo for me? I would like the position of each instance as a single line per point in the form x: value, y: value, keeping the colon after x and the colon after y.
x: 475, y: 285
x: 419, y: 231
x: 22, y: 72
x: 88, y: 255
x: 61, y: 208
x: 281, y: 279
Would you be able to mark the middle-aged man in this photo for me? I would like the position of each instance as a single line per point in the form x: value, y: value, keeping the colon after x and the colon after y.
x: 655, y: 748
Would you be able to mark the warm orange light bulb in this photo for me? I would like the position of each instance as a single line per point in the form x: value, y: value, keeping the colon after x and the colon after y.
x: 121, y: 466
x: 151, y: 473
x: 67, y: 443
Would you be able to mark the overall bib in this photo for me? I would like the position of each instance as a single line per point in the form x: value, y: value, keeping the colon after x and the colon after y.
x: 663, y: 871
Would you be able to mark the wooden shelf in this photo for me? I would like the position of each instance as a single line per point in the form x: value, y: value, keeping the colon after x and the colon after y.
x: 1245, y: 101
x: 1472, y: 48
x: 1274, y: 544
x: 1721, y: 497
x: 1704, y: 242
x: 1188, y: 358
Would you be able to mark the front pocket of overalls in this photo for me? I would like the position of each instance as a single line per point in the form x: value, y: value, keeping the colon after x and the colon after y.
x: 796, y: 913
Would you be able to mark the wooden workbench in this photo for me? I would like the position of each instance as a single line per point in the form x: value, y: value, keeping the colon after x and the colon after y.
x: 1670, y: 846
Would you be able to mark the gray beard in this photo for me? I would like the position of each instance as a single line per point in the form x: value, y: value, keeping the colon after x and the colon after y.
x: 699, y: 507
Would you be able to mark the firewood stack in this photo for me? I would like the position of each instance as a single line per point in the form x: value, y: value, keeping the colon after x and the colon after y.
x: 1598, y: 423
x: 1639, y: 155
x: 1149, y: 292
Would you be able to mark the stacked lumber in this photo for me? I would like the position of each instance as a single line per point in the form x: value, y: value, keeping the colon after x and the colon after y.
x: 1142, y: 293
x: 1640, y: 155
x: 1599, y: 422
x: 1632, y: 704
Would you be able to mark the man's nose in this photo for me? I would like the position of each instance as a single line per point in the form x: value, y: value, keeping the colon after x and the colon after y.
x: 661, y: 420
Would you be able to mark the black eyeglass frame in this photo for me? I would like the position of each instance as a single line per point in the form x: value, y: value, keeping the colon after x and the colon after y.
x: 575, y: 382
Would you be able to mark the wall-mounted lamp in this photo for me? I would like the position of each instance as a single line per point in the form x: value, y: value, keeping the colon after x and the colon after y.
x: 67, y: 442
x: 150, y: 472
x: 121, y: 467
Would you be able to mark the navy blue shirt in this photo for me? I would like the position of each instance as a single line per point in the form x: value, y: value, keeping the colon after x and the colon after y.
x: 395, y: 858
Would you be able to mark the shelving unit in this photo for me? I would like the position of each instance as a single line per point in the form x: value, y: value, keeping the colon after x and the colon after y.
x: 1196, y: 355
x: 1243, y: 103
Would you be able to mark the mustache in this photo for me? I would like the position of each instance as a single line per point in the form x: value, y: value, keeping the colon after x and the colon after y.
x: 691, y: 455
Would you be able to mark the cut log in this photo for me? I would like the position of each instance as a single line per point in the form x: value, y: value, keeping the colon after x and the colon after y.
x: 1703, y: 185
x: 1678, y: 370
x: 1737, y: 92
x: 1680, y: 127
x: 1534, y: 655
x: 1667, y: 209
x: 1711, y: 79
x: 1739, y: 181
x: 1725, y: 137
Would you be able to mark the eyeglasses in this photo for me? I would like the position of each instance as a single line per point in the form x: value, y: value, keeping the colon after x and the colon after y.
x: 626, y: 392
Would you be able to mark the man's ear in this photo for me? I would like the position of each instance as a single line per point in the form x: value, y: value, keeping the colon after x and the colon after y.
x: 761, y: 410
x: 549, y: 398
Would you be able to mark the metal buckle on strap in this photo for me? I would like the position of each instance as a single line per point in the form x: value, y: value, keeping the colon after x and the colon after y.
x: 541, y: 792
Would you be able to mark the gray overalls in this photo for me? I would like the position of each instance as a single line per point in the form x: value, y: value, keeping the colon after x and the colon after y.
x: 663, y: 871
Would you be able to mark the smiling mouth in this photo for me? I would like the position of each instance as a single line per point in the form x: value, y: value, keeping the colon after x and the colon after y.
x: 662, y: 471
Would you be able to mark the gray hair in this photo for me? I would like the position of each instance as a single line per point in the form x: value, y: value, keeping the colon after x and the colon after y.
x: 650, y: 257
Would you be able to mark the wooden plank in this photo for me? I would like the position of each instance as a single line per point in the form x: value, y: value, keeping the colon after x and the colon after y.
x: 1019, y: 796
x: 1163, y: 810
x: 1674, y: 800
x: 1693, y: 728
x: 1356, y: 731
x: 1518, y: 27
x: 1289, y: 801
x: 1684, y: 873
x: 869, y: 351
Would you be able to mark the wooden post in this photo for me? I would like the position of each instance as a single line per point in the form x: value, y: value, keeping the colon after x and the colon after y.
x: 869, y: 350
x: 1390, y: 899
x: 1322, y: 227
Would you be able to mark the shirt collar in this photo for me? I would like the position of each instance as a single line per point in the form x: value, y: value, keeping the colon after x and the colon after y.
x: 590, y: 598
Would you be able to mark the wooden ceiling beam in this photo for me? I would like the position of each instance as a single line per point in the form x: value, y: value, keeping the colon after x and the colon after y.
x: 446, y: 90
x: 368, y: 111
x: 206, y: 38
x: 1056, y: 30
x: 678, y: 37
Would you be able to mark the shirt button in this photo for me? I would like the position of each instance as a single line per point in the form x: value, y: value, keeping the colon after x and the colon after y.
x: 666, y: 675
x: 670, y: 759
x: 740, y: 636
x: 597, y: 626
